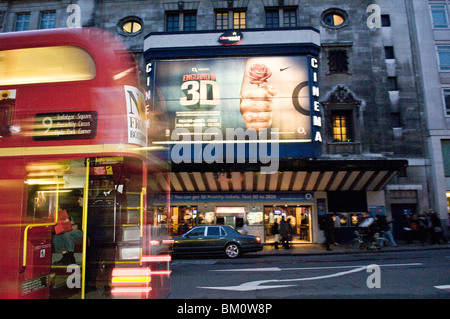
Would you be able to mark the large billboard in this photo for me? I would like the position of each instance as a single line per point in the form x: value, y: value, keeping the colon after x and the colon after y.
x: 268, y: 98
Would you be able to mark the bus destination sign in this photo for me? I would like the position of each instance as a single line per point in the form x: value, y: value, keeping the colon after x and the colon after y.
x: 65, y: 126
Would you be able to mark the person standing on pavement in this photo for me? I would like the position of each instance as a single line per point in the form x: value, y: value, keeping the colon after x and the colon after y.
x: 336, y: 228
x: 284, y: 232
x: 329, y: 230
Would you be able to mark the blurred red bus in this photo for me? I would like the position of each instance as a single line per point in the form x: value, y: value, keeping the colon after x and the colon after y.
x: 73, y: 123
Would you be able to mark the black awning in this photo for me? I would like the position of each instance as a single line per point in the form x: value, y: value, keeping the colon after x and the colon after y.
x: 292, y: 176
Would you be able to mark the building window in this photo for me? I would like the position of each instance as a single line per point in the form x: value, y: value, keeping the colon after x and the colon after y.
x: 385, y: 20
x: 447, y: 101
x: 22, y: 21
x: 338, y: 61
x: 222, y: 20
x: 289, y: 18
x: 439, y: 16
x: 392, y: 83
x: 189, y: 21
x: 272, y: 18
x: 342, y: 131
x: 239, y: 20
x: 181, y: 21
x: 172, y: 22
x: 396, y: 119
x: 334, y: 18
x: 389, y: 52
x: 446, y: 156
x: 281, y: 17
x: 130, y: 26
x: 47, y: 20
x: 444, y: 57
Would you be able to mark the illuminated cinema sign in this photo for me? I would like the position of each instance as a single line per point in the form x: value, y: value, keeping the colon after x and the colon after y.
x: 275, y: 97
x: 231, y: 37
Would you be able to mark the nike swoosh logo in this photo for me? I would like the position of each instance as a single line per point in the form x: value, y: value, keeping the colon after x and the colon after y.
x: 282, y: 69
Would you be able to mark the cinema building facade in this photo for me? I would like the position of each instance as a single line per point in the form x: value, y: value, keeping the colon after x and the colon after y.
x: 319, y: 99
x: 269, y: 83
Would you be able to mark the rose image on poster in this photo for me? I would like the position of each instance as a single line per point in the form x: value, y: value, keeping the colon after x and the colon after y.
x: 273, y: 89
x: 257, y: 102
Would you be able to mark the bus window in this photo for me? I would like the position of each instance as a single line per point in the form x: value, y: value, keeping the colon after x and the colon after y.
x: 45, y: 65
x: 49, y: 184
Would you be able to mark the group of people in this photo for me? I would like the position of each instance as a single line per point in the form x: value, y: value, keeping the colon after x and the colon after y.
x: 282, y: 232
x: 367, y: 225
x: 425, y: 227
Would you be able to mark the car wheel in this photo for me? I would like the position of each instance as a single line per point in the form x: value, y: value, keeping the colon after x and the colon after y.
x: 232, y: 250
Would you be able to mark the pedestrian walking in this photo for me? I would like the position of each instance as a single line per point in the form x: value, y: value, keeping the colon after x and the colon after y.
x: 385, y: 229
x: 437, y: 236
x: 276, y: 233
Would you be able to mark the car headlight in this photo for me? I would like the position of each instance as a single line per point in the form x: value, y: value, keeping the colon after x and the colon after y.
x: 258, y: 239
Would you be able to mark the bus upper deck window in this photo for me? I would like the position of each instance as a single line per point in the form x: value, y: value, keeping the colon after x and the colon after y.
x: 45, y: 65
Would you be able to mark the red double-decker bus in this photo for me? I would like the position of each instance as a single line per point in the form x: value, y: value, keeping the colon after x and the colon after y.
x: 75, y: 170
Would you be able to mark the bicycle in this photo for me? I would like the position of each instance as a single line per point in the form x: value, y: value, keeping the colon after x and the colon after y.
x: 362, y: 242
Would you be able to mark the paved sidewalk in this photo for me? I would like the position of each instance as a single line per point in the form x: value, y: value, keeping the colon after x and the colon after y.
x: 320, y: 249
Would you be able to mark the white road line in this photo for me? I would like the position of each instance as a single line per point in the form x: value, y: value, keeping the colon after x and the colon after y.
x: 310, y: 268
x: 442, y: 287
x: 255, y: 285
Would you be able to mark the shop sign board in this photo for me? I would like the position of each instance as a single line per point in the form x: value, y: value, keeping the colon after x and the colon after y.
x: 275, y: 197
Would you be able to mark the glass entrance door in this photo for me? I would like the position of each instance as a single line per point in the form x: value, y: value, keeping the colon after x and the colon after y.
x: 298, y: 218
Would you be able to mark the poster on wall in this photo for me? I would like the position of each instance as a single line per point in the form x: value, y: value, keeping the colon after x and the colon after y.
x: 136, y: 117
x: 252, y: 94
